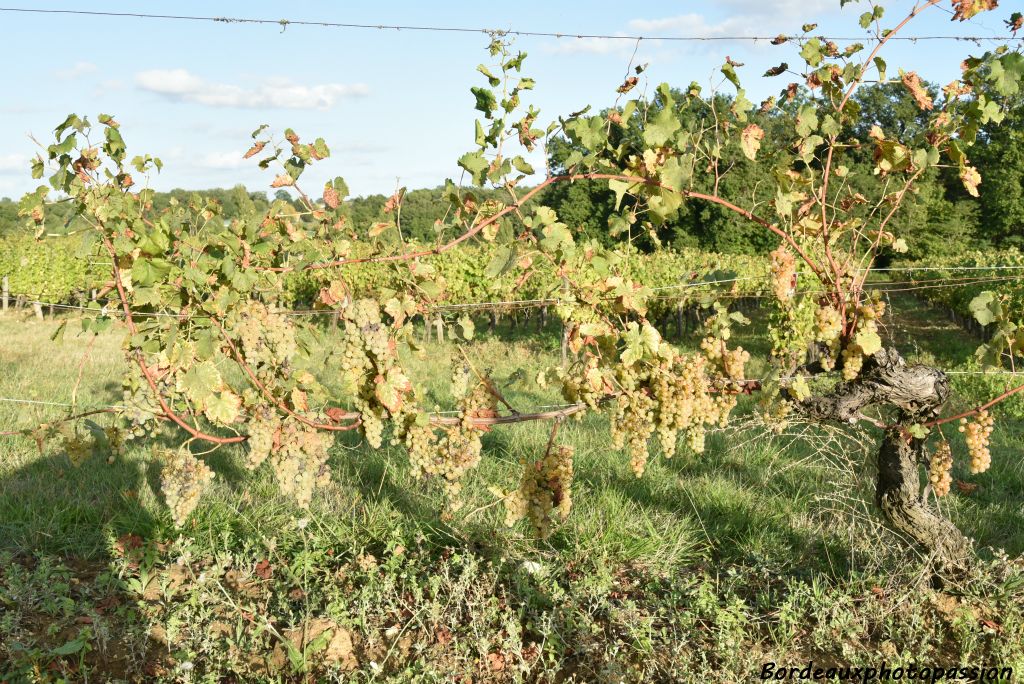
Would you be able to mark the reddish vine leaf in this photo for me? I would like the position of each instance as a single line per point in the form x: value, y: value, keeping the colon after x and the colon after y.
x: 255, y: 149
x: 394, y: 201
x: 282, y: 181
x: 331, y: 197
x: 912, y: 82
x: 627, y: 85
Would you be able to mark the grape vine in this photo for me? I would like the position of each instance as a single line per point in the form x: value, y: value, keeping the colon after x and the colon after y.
x: 215, y: 352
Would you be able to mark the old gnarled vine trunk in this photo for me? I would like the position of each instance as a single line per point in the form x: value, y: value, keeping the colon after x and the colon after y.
x: 917, y: 393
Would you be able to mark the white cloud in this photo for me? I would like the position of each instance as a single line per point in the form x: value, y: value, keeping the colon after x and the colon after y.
x: 589, y: 46
x: 79, y: 69
x: 224, y: 160
x: 14, y: 163
x: 748, y: 18
x: 184, y: 86
x: 785, y: 9
x: 691, y: 24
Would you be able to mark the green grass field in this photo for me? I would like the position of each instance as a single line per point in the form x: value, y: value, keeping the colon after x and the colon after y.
x: 766, y: 548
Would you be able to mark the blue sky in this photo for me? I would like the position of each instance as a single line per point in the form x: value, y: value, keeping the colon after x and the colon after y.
x: 394, y: 106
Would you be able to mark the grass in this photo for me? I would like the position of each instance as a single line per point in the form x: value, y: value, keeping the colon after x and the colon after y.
x: 765, y: 548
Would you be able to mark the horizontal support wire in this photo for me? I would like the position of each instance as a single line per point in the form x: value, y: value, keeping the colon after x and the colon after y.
x: 529, y: 409
x: 284, y: 23
x: 885, y: 286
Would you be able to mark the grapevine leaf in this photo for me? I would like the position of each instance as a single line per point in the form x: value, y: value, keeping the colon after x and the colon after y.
x: 589, y: 132
x: 918, y: 430
x: 869, y: 342
x: 811, y: 52
x: 476, y: 165
x: 58, y: 334
x: 485, y: 101
x: 965, y: 9
x: 981, y: 307
x: 676, y: 172
x: 750, y: 140
x: 806, y: 121
x: 223, y: 408
x: 200, y: 381
x: 970, y: 177
x: 661, y: 129
x: 912, y: 82
x: 522, y: 166
x: 146, y: 271
x: 389, y: 391
x: 730, y: 73
x: 556, y: 236
x: 503, y: 259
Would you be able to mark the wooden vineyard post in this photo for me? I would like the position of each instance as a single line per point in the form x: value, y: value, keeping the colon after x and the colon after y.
x: 6, y: 292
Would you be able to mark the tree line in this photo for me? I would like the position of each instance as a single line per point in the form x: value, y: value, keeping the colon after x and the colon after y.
x: 938, y: 219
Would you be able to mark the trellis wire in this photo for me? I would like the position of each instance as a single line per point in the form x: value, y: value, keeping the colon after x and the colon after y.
x: 527, y: 303
x: 284, y: 23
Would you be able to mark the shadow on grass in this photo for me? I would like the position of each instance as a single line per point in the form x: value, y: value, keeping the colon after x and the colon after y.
x: 52, y: 507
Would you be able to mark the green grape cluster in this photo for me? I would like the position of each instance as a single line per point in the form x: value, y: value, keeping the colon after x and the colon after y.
x: 828, y: 327
x: 682, y: 394
x: 632, y: 422
x: 368, y: 356
x: 372, y: 417
x: 449, y: 452
x: 182, y: 481
x: 730, y: 362
x: 853, y: 361
x: 420, y: 440
x: 776, y: 413
x: 267, y: 337
x: 141, y: 410
x: 116, y: 438
x: 460, y: 381
x: 783, y: 272
x: 940, y: 469
x: 264, y: 433
x: 544, y: 493
x: 977, y: 433
x: 868, y: 314
x: 355, y: 364
x: 300, y: 461
x: 675, y: 393
x: 589, y: 386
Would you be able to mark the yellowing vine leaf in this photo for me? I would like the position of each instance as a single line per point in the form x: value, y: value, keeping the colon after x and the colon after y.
x: 970, y: 177
x: 390, y: 390
x: 965, y: 9
x: 869, y: 342
x: 200, y: 381
x: 223, y: 408
x: 750, y: 140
